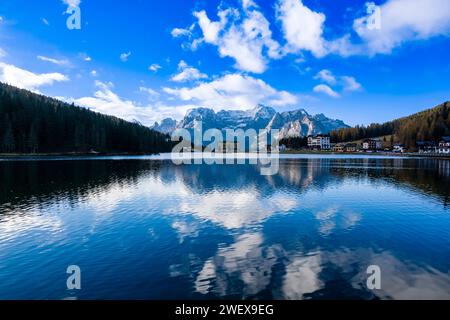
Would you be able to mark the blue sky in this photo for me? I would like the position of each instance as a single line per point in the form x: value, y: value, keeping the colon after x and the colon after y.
x: 147, y: 60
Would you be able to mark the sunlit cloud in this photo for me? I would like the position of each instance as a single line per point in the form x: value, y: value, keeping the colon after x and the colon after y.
x: 25, y: 79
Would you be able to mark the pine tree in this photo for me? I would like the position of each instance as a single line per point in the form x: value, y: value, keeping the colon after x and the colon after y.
x: 32, y: 123
x: 8, y: 142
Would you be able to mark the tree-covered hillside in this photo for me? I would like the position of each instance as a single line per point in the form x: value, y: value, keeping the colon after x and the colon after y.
x: 428, y: 125
x: 32, y: 123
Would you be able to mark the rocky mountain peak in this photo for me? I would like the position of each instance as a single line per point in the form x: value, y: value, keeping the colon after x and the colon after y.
x: 294, y: 123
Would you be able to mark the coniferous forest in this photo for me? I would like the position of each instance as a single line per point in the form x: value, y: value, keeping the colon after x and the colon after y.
x: 428, y: 125
x: 32, y: 123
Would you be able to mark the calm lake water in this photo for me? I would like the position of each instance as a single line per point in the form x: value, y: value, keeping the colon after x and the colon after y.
x: 143, y: 228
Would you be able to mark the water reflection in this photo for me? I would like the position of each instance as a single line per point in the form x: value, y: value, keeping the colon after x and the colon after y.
x: 153, y: 228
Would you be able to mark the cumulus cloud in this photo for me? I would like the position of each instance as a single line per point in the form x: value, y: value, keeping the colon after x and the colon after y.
x: 64, y: 62
x: 106, y: 101
x: 350, y: 84
x: 26, y: 79
x: 152, y: 94
x: 242, y: 34
x: 187, y: 73
x: 233, y: 91
x: 302, y: 27
x: 402, y: 21
x: 326, y: 76
x: 182, y: 32
x: 154, y: 67
x: 210, y: 28
x: 323, y: 88
x: 124, y: 56
x: 303, y: 30
x: 346, y: 83
x: 178, y: 32
x: 72, y: 3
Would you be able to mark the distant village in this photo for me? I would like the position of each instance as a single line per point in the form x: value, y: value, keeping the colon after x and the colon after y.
x: 323, y: 143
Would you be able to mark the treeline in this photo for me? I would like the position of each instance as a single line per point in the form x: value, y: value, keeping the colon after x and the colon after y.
x: 32, y: 123
x: 428, y: 125
x: 294, y: 142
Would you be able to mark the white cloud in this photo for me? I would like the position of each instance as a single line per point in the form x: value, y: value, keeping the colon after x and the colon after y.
x: 234, y: 91
x: 154, y: 67
x: 2, y: 53
x: 401, y: 21
x: 152, y: 94
x: 94, y: 73
x: 350, y: 84
x: 187, y: 73
x: 326, y: 76
x: 302, y: 27
x: 347, y: 83
x: 242, y: 34
x: 106, y: 101
x: 323, y: 88
x: 54, y: 61
x: 72, y: 3
x: 210, y: 28
x: 28, y: 80
x: 124, y: 56
x: 178, y: 32
x: 405, y: 20
x: 84, y: 56
x: 182, y: 32
x: 45, y: 21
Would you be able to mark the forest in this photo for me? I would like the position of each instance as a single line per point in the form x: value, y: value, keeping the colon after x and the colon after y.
x: 31, y: 123
x: 428, y: 125
x: 294, y: 142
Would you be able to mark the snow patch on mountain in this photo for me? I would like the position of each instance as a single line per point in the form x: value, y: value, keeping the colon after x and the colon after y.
x: 296, y: 123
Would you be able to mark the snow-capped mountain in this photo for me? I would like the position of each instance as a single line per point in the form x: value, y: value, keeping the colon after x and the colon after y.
x: 297, y: 123
x: 300, y: 123
x: 167, y: 126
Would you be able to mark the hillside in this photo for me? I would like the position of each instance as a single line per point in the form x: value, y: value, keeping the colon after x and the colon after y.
x: 428, y: 125
x: 32, y: 123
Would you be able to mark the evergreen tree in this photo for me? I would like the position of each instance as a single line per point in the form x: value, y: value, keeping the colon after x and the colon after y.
x: 8, y: 141
x: 31, y: 123
x: 427, y: 125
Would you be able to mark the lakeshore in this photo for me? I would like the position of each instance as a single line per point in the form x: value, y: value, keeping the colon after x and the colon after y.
x: 287, y: 152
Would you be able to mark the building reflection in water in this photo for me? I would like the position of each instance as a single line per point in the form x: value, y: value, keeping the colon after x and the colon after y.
x: 309, y: 232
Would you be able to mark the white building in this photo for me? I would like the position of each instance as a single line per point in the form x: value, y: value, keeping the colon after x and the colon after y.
x: 444, y: 145
x: 372, y: 144
x: 319, y: 142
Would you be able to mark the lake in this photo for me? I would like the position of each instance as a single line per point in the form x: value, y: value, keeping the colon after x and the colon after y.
x: 144, y: 228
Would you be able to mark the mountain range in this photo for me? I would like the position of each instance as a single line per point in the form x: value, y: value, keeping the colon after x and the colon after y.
x: 297, y: 123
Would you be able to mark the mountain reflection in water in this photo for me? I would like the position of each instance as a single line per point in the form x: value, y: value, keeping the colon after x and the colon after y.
x: 147, y: 229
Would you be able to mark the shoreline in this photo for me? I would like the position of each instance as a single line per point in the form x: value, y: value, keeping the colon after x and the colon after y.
x: 74, y: 154
x: 389, y: 154
x: 292, y: 152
